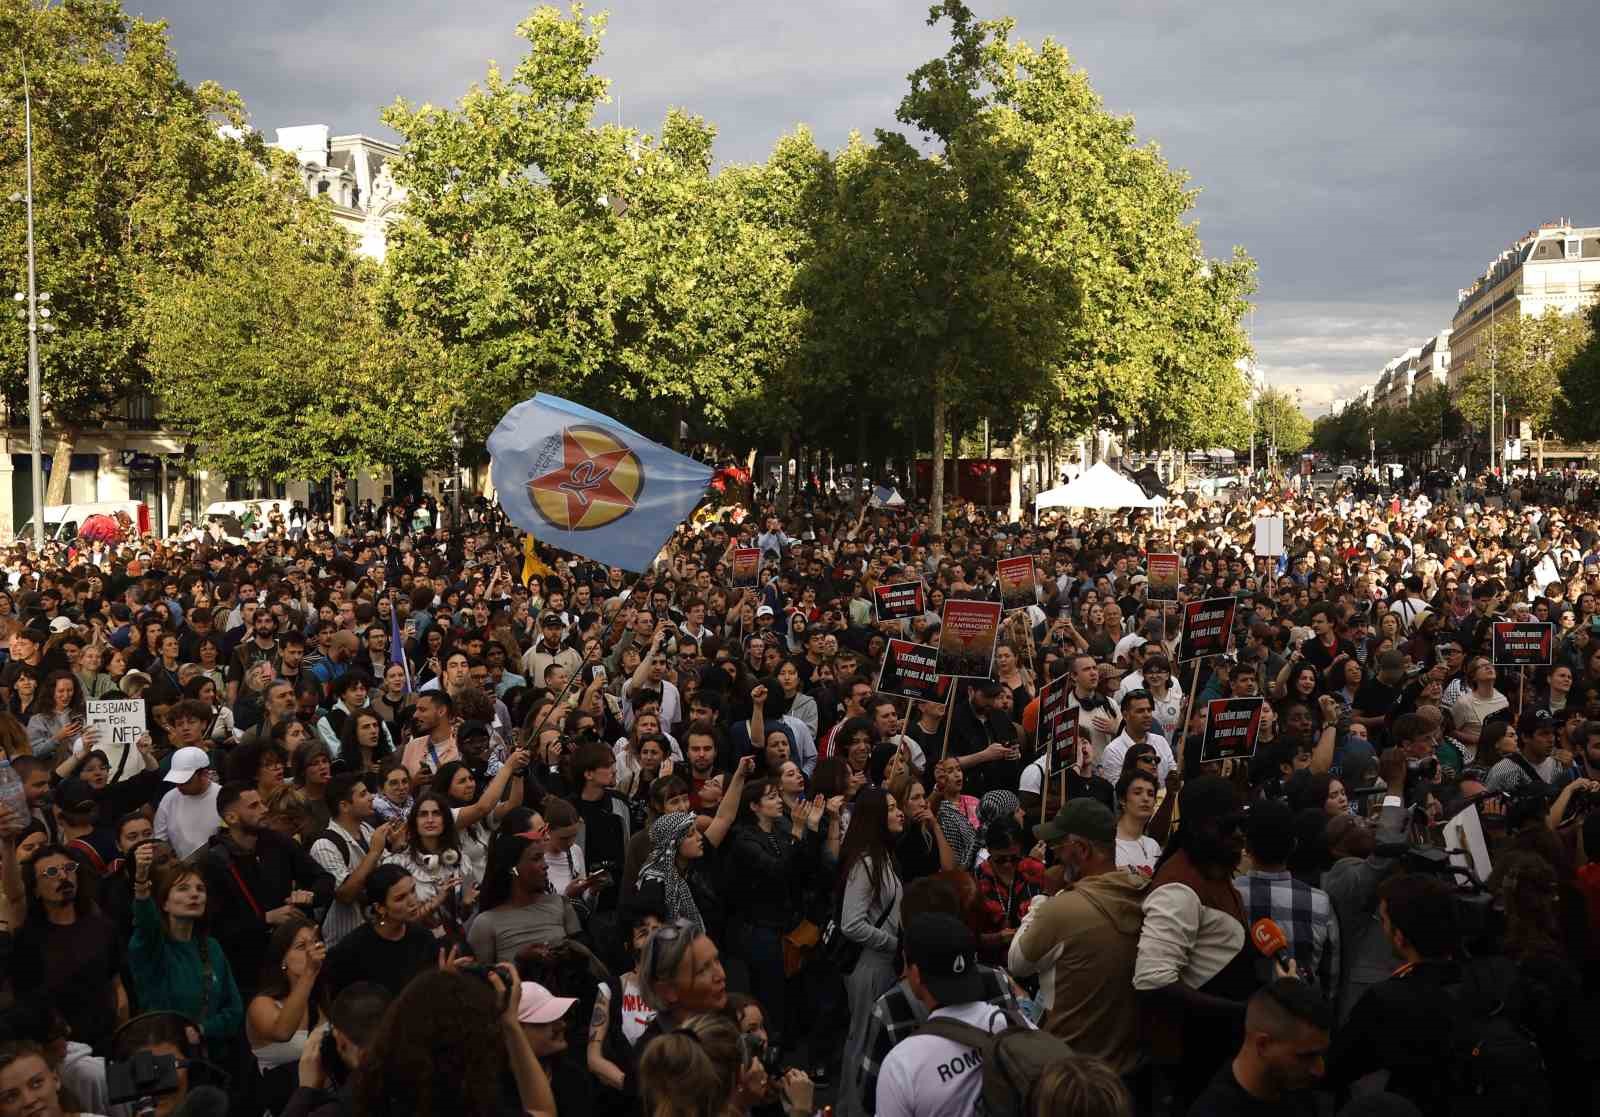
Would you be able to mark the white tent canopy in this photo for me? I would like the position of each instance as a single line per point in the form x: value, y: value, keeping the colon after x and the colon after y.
x: 1099, y: 486
x: 887, y: 496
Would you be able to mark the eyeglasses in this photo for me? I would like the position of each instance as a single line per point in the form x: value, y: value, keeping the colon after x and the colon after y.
x: 667, y: 932
x: 69, y: 869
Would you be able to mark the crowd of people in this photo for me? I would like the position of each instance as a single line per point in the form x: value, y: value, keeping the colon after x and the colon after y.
x: 419, y: 824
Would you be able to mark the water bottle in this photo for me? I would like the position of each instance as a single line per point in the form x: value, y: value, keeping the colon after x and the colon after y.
x: 13, y: 795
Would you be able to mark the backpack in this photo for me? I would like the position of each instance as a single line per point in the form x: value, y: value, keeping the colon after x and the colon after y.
x: 1493, y: 1064
x: 1013, y: 1059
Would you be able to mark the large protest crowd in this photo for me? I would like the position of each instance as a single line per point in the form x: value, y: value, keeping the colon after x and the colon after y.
x: 410, y: 819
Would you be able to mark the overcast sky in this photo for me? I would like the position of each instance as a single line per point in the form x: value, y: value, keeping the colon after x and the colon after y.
x: 1372, y: 156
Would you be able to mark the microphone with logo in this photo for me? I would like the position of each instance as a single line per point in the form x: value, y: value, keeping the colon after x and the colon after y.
x: 1270, y: 940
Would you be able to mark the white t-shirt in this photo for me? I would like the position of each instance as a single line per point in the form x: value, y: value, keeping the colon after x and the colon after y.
x: 1111, y: 759
x: 930, y: 1076
x: 1469, y: 710
x: 636, y: 1014
x: 1138, y: 853
x: 564, y: 868
x: 188, y: 821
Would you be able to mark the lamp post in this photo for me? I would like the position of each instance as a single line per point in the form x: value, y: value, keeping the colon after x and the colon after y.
x: 37, y: 319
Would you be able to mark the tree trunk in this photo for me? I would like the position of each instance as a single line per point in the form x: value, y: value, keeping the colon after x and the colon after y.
x: 56, y: 492
x: 1019, y: 454
x: 180, y: 499
x: 338, y: 502
x: 936, y: 490
x: 784, y: 488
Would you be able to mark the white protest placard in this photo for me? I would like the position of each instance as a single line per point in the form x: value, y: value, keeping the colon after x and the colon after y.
x: 1463, y: 836
x: 118, y: 725
x: 1269, y: 536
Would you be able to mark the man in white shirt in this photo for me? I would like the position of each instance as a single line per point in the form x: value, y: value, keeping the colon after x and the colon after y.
x: 1138, y: 715
x: 187, y: 816
x: 940, y: 1069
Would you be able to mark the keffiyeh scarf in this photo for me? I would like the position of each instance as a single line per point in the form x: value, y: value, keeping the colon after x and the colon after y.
x: 666, y: 834
x: 997, y: 805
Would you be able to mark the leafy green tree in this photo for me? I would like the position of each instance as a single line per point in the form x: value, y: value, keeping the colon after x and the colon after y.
x: 1280, y: 423
x: 544, y: 252
x: 1523, y: 362
x: 272, y: 356
x: 1577, y: 411
x: 130, y: 181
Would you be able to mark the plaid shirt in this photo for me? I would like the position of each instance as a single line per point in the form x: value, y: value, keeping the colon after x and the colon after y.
x: 899, y: 1015
x: 1307, y: 918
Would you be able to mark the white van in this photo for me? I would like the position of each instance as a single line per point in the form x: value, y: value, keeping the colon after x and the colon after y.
x: 61, y: 520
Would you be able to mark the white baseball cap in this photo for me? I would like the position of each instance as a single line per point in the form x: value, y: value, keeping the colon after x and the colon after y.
x: 186, y: 762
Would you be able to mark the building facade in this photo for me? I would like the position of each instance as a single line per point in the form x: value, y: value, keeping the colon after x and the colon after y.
x: 134, y: 456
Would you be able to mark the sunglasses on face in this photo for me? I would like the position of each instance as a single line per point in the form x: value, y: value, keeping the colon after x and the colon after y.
x: 70, y: 869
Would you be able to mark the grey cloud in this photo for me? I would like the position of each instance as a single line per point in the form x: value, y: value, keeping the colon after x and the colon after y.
x: 1372, y: 156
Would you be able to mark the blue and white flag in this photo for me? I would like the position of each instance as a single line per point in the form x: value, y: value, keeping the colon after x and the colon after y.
x: 582, y: 481
x: 397, y: 643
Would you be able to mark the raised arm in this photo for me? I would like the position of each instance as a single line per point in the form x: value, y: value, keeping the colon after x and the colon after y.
x: 728, y: 809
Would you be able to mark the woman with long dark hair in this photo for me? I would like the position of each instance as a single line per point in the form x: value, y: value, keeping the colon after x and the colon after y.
x: 870, y: 891
x: 432, y: 855
x: 445, y: 1047
x: 769, y: 856
x: 281, y: 1015
x: 58, y: 716
x: 392, y: 946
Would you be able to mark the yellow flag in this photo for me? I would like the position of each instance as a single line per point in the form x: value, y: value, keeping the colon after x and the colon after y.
x: 532, y: 564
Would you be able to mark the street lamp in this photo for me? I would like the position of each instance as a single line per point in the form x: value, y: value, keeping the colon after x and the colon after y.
x: 34, y: 313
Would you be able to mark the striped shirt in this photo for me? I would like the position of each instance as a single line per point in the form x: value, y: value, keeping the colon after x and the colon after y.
x: 342, y: 918
x: 1307, y: 918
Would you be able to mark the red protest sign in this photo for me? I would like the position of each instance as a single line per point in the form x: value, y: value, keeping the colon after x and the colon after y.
x: 967, y: 634
x: 746, y: 566
x: 911, y: 671
x: 1207, y: 628
x: 898, y: 601
x: 1232, y: 725
x: 1523, y: 643
x: 1018, y: 582
x: 1164, y: 572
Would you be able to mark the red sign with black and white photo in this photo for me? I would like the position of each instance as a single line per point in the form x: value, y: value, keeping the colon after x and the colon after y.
x: 1523, y: 643
x: 1163, y: 572
x: 967, y: 635
x: 1232, y: 726
x: 746, y: 566
x: 899, y: 601
x: 1207, y: 628
x: 910, y: 671
x: 1018, y: 584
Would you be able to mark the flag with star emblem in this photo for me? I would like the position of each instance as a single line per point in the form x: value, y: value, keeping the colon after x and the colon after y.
x: 582, y: 481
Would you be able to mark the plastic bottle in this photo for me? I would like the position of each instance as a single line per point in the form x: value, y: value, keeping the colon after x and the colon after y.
x: 13, y: 795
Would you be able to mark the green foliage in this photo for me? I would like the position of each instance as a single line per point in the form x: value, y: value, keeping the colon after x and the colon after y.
x: 1577, y: 410
x: 130, y: 181
x: 1522, y: 362
x: 1280, y: 423
x: 543, y: 252
x: 272, y: 355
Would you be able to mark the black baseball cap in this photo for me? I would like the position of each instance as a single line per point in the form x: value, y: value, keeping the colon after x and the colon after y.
x: 946, y: 956
x: 74, y: 796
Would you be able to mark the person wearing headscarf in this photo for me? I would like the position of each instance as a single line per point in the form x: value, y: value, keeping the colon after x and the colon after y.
x: 996, y: 805
x: 675, y: 843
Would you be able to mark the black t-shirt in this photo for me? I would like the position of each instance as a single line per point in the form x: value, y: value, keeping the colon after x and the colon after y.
x: 1226, y: 1098
x: 365, y: 955
x: 74, y: 965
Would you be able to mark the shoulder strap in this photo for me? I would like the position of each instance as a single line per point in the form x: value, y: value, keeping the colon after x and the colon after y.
x: 956, y: 1031
x: 338, y: 843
